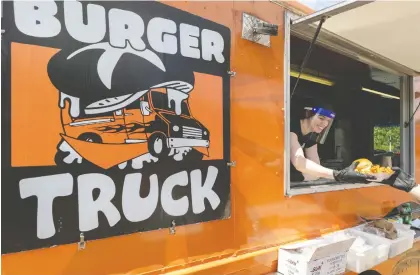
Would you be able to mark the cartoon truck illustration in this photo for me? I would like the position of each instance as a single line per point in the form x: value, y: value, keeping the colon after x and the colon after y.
x: 119, y: 104
x: 160, y: 117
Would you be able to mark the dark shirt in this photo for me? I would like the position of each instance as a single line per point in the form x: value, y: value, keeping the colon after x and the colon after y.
x: 296, y: 175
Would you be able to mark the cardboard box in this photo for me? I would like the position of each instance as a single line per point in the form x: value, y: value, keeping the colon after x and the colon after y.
x: 314, y: 257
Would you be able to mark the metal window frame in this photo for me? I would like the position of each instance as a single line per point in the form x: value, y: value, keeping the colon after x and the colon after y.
x: 356, y: 53
x: 407, y: 134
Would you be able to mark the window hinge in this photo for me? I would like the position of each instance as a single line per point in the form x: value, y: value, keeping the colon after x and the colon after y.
x: 232, y: 73
x: 172, y: 229
x: 82, y: 243
x: 231, y: 163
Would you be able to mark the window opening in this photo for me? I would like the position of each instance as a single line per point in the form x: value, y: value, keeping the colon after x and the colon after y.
x: 365, y: 99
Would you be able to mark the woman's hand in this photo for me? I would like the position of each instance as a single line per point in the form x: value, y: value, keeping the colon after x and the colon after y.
x: 400, y: 180
x: 351, y: 176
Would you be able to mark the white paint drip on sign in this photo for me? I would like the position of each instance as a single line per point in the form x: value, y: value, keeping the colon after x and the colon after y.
x: 179, y: 153
x: 122, y: 165
x: 74, y: 104
x: 176, y: 97
x: 137, y: 163
x: 65, y: 147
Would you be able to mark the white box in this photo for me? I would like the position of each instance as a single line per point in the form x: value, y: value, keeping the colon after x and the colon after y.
x: 320, y: 256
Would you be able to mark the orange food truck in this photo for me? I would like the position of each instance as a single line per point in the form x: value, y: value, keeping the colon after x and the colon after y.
x: 146, y: 137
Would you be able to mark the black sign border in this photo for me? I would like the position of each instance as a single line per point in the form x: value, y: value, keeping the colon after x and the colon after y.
x: 11, y: 34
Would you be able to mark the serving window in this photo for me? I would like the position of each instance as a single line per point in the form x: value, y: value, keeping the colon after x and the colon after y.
x: 371, y: 105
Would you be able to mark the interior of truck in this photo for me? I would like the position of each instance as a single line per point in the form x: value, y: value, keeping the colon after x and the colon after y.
x: 366, y: 101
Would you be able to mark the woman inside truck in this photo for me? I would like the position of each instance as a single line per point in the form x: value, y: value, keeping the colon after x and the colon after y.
x: 310, y: 124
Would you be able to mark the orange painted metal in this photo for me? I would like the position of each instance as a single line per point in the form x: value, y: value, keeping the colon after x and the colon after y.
x: 262, y: 217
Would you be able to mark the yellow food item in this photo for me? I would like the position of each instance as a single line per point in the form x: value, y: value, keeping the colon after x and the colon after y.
x: 365, y: 166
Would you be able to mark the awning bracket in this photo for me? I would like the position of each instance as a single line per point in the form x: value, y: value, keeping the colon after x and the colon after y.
x: 308, y: 52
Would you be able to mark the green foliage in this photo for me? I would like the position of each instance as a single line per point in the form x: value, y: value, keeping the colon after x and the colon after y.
x: 381, y: 138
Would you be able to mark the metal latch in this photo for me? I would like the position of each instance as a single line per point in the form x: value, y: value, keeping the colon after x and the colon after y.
x: 82, y: 244
x: 232, y: 73
x: 231, y: 164
x: 172, y: 229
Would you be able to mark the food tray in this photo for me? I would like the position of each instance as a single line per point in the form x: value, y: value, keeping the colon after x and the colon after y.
x: 402, y: 243
x: 381, y: 176
x: 366, y: 252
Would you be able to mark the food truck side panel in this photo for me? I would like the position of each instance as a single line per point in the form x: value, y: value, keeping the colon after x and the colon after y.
x: 260, y: 214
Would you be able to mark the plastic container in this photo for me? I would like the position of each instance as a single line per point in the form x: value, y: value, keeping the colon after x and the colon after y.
x: 359, y: 260
x: 402, y: 243
x: 366, y: 252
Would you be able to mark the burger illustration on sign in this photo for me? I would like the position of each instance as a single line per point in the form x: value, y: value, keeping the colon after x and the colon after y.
x: 120, y: 104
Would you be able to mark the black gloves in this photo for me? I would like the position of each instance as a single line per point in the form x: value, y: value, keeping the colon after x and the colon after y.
x: 351, y: 176
x: 400, y: 180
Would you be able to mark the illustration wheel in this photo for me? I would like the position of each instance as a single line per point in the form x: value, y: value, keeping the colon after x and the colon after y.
x: 90, y: 137
x: 158, y: 145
